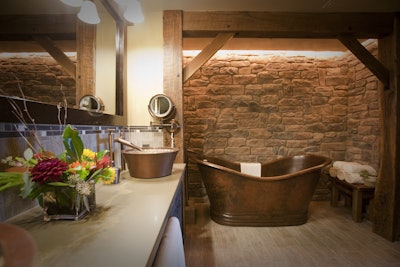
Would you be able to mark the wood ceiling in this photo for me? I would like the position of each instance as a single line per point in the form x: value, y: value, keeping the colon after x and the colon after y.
x: 26, y: 9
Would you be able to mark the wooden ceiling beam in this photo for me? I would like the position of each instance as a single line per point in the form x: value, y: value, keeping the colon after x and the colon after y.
x: 24, y: 26
x: 372, y: 63
x: 287, y: 25
x: 57, y: 54
x: 205, y: 55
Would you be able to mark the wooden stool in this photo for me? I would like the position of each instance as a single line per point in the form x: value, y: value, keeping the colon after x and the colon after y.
x: 357, y: 192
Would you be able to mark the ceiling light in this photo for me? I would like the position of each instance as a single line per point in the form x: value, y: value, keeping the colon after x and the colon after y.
x: 73, y: 3
x: 88, y: 13
x: 133, y: 12
x: 122, y: 2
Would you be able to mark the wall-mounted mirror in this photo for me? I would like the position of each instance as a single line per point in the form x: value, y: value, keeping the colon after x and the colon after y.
x: 53, y: 32
x: 91, y: 103
x: 161, y: 107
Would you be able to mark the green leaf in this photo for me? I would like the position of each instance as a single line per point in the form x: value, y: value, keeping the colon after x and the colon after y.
x: 26, y: 191
x: 101, y: 154
x: 28, y: 154
x: 94, y: 176
x: 10, y: 179
x: 73, y: 144
x: 86, y: 203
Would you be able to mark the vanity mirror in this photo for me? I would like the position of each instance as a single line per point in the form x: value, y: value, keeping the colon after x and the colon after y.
x: 161, y: 107
x: 59, y: 33
x: 91, y: 103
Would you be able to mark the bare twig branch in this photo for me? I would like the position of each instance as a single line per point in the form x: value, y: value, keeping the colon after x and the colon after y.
x: 60, y: 106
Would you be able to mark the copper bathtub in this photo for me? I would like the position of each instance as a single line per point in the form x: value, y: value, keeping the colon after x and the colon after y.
x: 280, y: 197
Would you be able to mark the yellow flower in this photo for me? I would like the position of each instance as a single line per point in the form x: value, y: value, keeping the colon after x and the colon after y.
x: 108, y: 175
x: 87, y: 153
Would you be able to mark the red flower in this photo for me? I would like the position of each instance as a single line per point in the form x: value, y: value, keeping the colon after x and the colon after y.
x: 48, y: 170
x: 103, y: 163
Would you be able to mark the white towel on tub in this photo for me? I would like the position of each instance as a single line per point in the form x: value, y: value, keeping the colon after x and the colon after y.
x: 251, y: 168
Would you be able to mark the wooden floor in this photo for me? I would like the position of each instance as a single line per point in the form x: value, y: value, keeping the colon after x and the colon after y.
x: 329, y: 238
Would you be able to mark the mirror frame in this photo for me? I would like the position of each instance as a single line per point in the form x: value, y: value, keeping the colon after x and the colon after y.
x: 91, y: 103
x: 44, y: 113
x: 155, y: 113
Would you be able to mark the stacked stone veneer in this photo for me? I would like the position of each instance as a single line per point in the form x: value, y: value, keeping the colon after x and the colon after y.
x: 255, y: 108
x: 40, y: 77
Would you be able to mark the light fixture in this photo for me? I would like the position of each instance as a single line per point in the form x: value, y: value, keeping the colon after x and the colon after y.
x: 88, y: 13
x: 73, y: 3
x: 133, y: 12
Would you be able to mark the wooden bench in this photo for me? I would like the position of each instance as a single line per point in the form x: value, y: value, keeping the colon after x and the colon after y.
x: 357, y: 192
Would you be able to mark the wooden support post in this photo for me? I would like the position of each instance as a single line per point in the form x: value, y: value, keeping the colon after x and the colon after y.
x: 173, y: 85
x: 387, y: 201
x: 85, y: 52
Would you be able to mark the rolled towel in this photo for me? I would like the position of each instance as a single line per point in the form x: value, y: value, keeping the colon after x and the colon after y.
x: 340, y: 174
x: 353, y: 167
x: 369, y: 169
x: 348, y: 166
x: 332, y: 172
x: 251, y: 168
x: 353, y: 178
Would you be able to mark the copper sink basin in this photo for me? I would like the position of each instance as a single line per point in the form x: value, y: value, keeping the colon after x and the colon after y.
x: 150, y: 162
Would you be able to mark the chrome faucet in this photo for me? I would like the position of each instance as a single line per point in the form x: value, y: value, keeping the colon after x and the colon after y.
x: 172, y: 127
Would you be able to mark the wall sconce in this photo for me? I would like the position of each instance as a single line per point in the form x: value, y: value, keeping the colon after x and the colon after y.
x: 73, y: 3
x: 89, y: 13
x: 133, y: 10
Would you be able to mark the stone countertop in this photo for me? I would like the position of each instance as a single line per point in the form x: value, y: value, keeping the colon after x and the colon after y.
x: 124, y: 229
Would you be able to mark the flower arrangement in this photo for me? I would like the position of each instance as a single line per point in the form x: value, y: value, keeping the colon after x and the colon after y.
x: 77, y: 167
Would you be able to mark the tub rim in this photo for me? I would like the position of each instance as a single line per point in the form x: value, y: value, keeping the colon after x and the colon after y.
x: 326, y: 162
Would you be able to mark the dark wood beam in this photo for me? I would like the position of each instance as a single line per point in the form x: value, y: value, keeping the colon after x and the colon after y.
x: 287, y: 25
x: 205, y: 55
x: 57, y: 54
x: 371, y: 62
x: 60, y: 26
x: 121, y: 107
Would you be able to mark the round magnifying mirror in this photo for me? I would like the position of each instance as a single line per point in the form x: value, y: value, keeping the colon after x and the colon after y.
x: 91, y: 103
x: 160, y: 106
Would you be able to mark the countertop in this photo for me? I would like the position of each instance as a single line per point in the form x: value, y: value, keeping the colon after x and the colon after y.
x: 123, y: 230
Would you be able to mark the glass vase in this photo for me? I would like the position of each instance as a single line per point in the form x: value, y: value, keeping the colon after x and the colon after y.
x: 65, y: 203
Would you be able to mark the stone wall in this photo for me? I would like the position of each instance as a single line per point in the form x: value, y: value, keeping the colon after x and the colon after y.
x: 255, y: 108
x: 363, y: 117
x: 40, y: 77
